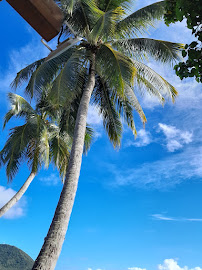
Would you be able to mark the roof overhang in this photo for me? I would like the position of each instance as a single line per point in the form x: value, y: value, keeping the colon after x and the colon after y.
x: 43, y: 15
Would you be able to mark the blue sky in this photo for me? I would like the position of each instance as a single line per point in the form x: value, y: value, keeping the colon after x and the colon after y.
x: 136, y: 208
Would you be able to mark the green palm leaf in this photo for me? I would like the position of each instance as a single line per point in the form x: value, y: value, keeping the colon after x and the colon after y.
x: 106, y: 5
x: 140, y: 20
x: 14, y: 151
x: 106, y: 24
x: 114, y: 67
x: 160, y: 50
x: 45, y: 74
x: 84, y: 16
x: 135, y: 103
x: 88, y: 139
x: 69, y: 83
x: 19, y: 108
x: 107, y: 108
x: 24, y: 75
x: 154, y: 82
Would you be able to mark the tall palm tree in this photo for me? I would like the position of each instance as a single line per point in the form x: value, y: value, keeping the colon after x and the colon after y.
x: 104, y: 68
x: 40, y: 140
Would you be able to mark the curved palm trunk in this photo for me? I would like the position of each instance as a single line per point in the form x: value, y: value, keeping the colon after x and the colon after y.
x: 18, y: 195
x: 52, y: 246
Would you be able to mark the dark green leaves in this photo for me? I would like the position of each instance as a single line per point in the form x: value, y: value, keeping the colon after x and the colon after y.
x: 107, y: 107
x: 116, y: 68
x: 69, y: 82
x: 177, y: 10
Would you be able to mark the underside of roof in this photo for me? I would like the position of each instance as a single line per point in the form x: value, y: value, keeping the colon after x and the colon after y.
x: 43, y: 15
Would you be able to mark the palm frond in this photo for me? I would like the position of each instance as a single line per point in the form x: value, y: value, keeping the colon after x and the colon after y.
x: 107, y: 5
x: 114, y: 67
x: 88, y: 139
x: 141, y: 20
x: 24, y: 75
x: 105, y: 26
x: 69, y: 83
x: 45, y: 74
x: 60, y: 145
x: 160, y: 50
x: 111, y: 119
x: 127, y: 113
x: 14, y: 151
x: 66, y: 5
x: 33, y: 155
x: 44, y: 146
x: 154, y: 82
x: 135, y: 103
x: 19, y: 108
x: 84, y: 16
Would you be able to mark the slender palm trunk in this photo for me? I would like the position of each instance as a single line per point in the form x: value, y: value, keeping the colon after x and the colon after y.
x: 52, y: 246
x: 18, y: 195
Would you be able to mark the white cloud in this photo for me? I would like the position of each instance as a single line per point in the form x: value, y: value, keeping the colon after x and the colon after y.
x: 17, y: 210
x: 143, y: 139
x: 171, y: 264
x: 93, y: 116
x: 168, y: 264
x: 136, y: 268
x: 95, y: 120
x: 92, y: 269
x: 163, y: 173
x: 175, y: 138
x: 166, y: 218
x: 19, y: 59
x: 162, y: 217
x: 51, y: 180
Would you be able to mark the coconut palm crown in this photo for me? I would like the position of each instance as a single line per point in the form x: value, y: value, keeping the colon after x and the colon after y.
x: 40, y: 140
x: 108, y: 31
x: 107, y: 68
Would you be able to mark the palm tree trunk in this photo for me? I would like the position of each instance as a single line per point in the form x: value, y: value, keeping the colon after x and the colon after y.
x: 52, y: 246
x: 18, y: 195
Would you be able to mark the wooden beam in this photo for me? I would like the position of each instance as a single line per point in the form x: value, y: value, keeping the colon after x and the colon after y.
x: 43, y: 15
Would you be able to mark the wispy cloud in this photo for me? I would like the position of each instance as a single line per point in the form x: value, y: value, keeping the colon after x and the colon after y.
x: 18, y: 210
x: 160, y: 174
x: 50, y: 180
x: 19, y: 59
x: 93, y: 116
x: 95, y: 120
x: 92, y: 269
x: 168, y: 218
x: 175, y: 138
x: 143, y: 139
x: 136, y: 268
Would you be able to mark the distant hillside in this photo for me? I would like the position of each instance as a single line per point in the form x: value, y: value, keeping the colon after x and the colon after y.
x: 12, y: 258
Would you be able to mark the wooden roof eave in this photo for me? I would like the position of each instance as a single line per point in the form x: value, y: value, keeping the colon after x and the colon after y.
x: 43, y: 15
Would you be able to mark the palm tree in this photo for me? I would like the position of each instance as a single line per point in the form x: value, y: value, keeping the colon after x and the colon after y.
x: 38, y: 141
x: 106, y: 69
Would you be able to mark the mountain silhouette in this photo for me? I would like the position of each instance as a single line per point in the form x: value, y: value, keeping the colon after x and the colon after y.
x: 13, y: 258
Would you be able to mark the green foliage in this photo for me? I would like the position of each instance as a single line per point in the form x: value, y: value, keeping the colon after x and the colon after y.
x: 42, y: 139
x: 141, y: 48
x: 177, y: 10
x: 107, y: 29
x: 141, y: 20
x: 12, y: 258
